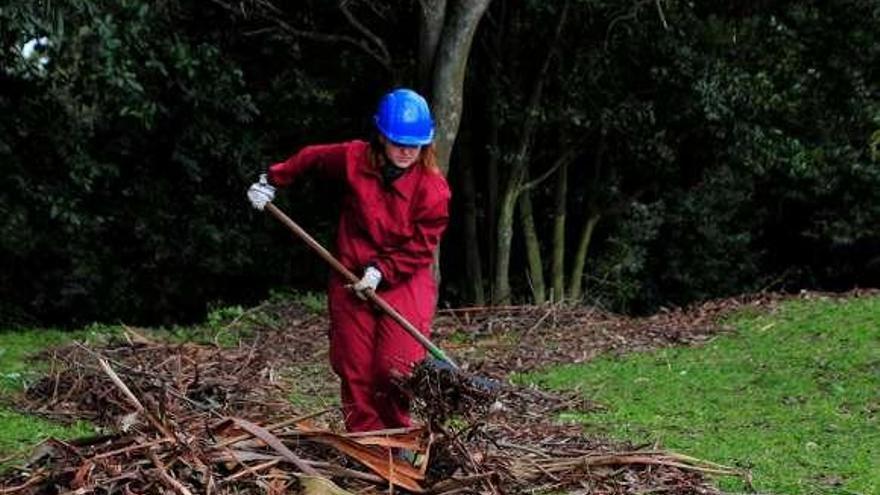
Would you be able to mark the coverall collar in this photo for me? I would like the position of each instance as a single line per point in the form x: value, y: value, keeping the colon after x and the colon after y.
x: 405, y: 185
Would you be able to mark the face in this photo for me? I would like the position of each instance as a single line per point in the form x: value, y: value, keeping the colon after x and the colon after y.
x: 402, y: 156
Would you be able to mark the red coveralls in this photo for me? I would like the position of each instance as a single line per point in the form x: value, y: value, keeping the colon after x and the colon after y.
x: 396, y: 228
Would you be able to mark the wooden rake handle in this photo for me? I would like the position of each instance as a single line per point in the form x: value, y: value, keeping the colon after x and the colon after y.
x: 435, y: 351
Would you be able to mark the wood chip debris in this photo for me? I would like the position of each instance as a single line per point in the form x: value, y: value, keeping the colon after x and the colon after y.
x: 190, y: 418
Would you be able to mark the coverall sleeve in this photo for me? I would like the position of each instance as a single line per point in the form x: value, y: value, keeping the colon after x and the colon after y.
x: 399, y: 262
x: 327, y: 159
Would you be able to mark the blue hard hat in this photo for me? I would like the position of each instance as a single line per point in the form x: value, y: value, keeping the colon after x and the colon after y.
x: 404, y: 118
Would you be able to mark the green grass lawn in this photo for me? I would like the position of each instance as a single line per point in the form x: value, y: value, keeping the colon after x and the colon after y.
x: 794, y: 396
x: 19, y: 432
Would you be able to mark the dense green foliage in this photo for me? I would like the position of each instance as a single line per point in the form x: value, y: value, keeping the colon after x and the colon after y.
x: 791, y: 396
x: 727, y: 152
x: 788, y: 116
x: 725, y: 149
x: 126, y: 160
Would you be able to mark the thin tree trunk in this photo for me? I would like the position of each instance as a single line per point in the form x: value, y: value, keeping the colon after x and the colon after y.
x: 580, y: 257
x: 558, y: 261
x: 501, y: 294
x: 518, y: 171
x: 533, y: 248
x: 510, y: 195
x: 493, y: 180
x: 494, y: 50
x: 473, y: 266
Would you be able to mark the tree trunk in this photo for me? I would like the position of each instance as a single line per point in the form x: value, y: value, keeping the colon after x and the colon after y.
x: 444, y: 45
x: 518, y: 171
x: 493, y: 50
x: 501, y: 294
x: 533, y: 248
x: 510, y: 194
x: 492, y: 145
x: 450, y: 62
x: 473, y: 266
x: 432, y: 21
x: 558, y: 261
x: 580, y: 257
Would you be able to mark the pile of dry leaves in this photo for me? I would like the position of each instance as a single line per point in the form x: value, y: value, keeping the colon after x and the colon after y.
x: 189, y: 418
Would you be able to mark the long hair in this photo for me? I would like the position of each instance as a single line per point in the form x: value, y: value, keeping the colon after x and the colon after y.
x: 427, y: 156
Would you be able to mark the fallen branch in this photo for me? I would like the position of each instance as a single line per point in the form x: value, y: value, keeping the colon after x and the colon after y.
x: 134, y: 400
x: 167, y: 478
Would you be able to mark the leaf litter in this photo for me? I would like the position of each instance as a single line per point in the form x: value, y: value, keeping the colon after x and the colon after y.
x: 201, y: 418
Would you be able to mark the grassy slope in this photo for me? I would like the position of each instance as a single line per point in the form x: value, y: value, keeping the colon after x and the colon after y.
x: 795, y: 396
x: 18, y: 432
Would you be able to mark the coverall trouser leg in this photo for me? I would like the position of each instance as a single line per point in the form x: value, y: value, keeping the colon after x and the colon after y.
x: 368, y: 350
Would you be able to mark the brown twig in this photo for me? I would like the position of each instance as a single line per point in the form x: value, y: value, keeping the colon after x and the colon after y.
x: 134, y: 400
x: 276, y: 444
x: 167, y: 478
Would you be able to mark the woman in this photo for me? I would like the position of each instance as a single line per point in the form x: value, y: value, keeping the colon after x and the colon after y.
x: 394, y: 212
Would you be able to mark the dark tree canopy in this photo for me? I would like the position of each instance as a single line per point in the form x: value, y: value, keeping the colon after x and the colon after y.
x: 706, y: 149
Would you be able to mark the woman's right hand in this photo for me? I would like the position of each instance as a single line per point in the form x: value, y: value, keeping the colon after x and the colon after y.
x: 368, y: 283
x: 261, y: 192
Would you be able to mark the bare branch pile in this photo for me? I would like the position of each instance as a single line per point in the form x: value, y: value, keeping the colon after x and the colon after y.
x: 187, y: 418
x: 504, y: 440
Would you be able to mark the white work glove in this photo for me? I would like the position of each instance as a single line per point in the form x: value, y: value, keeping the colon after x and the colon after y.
x: 261, y: 192
x: 368, y: 282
